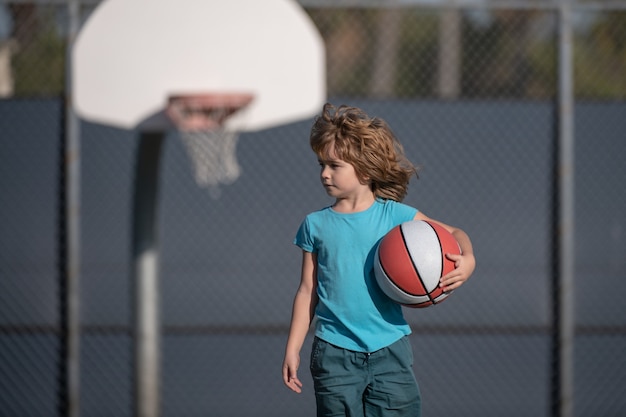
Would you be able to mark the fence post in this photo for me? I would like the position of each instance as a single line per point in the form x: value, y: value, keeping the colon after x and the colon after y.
x: 563, y: 290
x: 70, y: 314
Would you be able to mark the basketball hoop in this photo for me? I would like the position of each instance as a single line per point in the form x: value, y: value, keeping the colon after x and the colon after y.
x: 210, y: 144
x: 204, y: 111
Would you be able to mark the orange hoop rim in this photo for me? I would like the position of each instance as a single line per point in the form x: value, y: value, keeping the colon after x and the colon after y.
x: 204, y: 111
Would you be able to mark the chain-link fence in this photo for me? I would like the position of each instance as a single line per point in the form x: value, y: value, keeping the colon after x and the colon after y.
x: 471, y: 93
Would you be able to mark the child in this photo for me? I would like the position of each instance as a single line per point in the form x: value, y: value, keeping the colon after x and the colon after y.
x: 361, y: 360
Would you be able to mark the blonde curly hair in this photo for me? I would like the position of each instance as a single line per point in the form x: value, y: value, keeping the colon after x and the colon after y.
x: 368, y: 144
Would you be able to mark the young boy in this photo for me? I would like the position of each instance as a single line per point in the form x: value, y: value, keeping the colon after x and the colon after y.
x: 361, y: 361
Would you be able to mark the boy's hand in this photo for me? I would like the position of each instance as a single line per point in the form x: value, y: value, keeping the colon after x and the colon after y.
x: 463, y: 267
x: 290, y: 373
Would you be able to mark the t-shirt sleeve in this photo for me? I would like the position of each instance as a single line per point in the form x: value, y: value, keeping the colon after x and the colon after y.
x: 404, y: 212
x: 304, y: 237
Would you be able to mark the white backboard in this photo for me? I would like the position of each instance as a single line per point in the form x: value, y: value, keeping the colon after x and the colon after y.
x: 131, y: 55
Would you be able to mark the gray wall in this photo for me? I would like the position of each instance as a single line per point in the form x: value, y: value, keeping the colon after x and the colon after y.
x: 229, y: 268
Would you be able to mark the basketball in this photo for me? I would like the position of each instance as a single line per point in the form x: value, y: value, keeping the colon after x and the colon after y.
x: 410, y: 260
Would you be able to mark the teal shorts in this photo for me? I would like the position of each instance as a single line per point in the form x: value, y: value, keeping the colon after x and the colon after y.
x: 380, y: 383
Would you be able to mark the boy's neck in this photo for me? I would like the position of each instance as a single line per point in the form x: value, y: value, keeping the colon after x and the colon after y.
x: 354, y: 204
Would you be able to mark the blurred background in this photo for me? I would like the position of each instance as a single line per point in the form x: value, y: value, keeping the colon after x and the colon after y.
x: 469, y: 87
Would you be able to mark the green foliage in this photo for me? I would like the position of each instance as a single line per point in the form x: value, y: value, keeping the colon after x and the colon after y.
x: 510, y: 54
x: 601, y: 59
x: 39, y: 66
x: 500, y: 57
x: 417, y: 69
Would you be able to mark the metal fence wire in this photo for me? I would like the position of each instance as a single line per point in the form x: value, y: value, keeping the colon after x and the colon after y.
x: 470, y: 91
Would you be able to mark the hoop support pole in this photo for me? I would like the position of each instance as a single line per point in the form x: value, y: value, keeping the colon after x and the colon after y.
x: 145, y: 277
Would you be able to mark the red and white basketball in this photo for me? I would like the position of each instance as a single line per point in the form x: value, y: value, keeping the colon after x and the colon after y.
x: 411, y: 259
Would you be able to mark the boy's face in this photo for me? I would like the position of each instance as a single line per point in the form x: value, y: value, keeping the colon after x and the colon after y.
x: 339, y: 177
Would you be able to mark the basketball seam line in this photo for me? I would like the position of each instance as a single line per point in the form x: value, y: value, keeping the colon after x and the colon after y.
x: 417, y: 272
x: 443, y: 255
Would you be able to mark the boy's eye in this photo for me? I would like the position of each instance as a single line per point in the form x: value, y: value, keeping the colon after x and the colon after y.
x: 330, y: 164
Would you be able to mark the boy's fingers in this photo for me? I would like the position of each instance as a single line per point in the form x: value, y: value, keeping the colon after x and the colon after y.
x: 453, y: 256
x: 294, y: 384
x: 294, y: 376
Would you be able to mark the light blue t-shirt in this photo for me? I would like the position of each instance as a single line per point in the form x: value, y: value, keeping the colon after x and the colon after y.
x: 352, y: 312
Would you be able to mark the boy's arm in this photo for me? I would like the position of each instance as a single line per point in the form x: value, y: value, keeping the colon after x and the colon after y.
x: 303, y: 310
x: 464, y: 263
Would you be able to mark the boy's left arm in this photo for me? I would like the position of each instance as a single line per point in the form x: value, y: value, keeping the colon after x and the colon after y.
x: 464, y: 264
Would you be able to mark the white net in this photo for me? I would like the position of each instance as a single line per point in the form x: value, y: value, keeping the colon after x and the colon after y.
x: 201, y: 120
x: 213, y: 157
